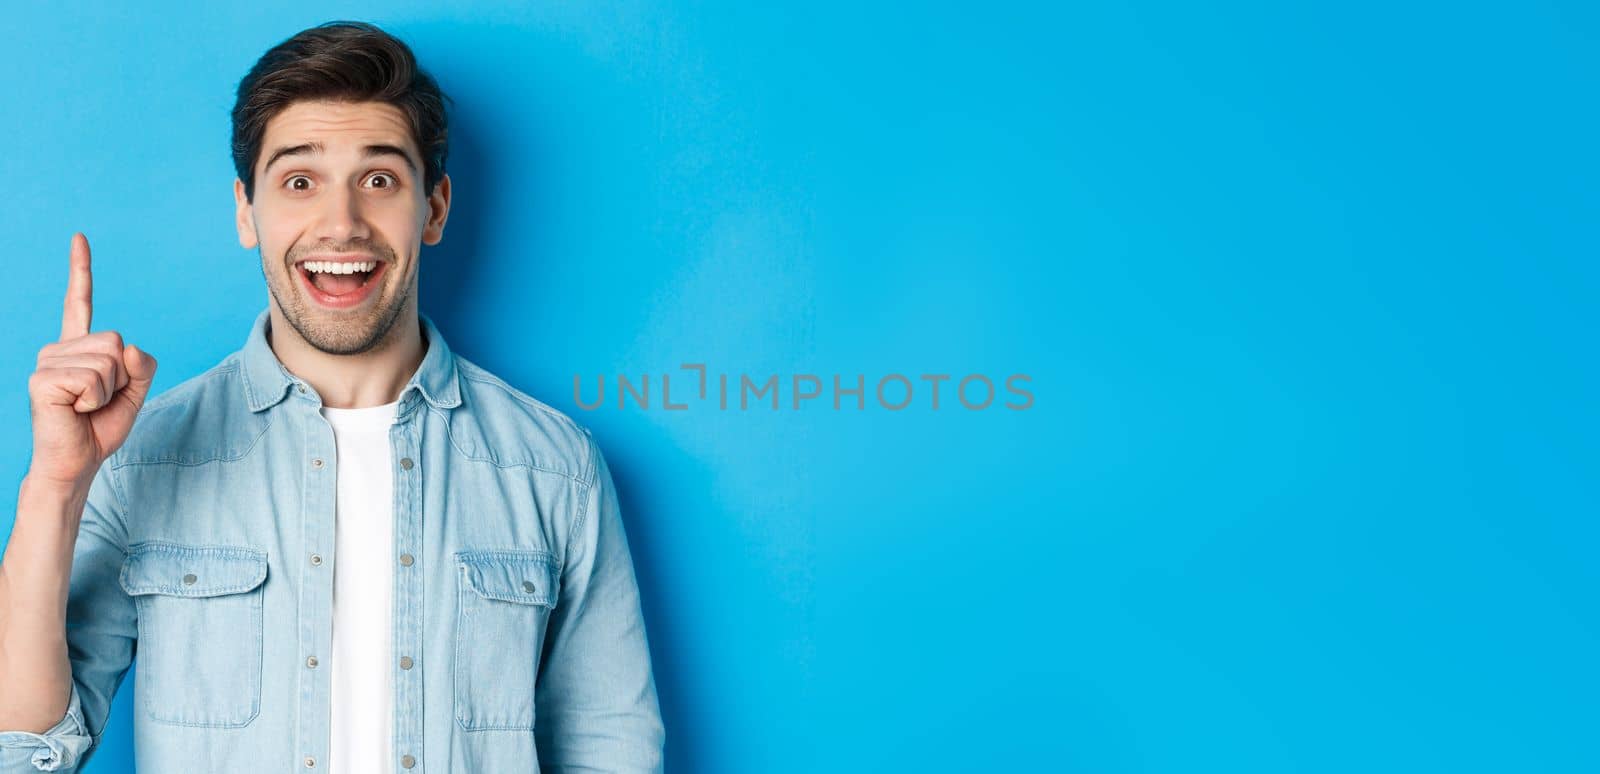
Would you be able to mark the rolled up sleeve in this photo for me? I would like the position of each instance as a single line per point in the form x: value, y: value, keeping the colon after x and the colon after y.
x: 596, y: 698
x: 58, y: 749
x: 102, y: 628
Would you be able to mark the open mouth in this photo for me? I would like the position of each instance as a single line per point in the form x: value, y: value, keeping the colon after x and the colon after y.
x: 340, y: 283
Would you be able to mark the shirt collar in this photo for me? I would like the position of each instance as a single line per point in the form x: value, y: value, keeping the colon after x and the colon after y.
x: 266, y: 381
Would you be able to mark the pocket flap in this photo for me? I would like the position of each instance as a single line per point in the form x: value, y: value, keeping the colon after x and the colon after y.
x: 526, y: 577
x: 191, y: 571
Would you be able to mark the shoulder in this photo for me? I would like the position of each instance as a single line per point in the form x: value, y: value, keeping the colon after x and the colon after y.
x: 507, y: 426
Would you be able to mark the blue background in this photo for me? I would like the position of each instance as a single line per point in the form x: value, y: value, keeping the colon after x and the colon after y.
x: 1309, y: 481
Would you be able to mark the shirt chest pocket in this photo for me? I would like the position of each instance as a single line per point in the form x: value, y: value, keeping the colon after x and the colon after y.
x: 504, y: 600
x: 200, y: 627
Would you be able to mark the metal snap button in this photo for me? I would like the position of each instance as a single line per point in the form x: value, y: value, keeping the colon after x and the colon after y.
x: 405, y: 559
x: 405, y: 662
x: 188, y: 580
x: 527, y: 586
x: 311, y: 661
x: 407, y: 761
x: 405, y: 462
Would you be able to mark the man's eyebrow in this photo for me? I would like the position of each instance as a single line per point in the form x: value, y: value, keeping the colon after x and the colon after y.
x: 373, y: 151
x: 314, y: 148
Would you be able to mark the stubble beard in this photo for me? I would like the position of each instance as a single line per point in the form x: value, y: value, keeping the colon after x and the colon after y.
x: 351, y: 335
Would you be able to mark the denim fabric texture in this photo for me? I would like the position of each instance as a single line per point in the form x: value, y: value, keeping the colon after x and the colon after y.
x: 206, y: 551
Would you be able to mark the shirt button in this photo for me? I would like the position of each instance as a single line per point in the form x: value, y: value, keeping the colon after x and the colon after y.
x: 405, y: 559
x: 311, y: 662
x: 188, y: 580
x: 405, y: 462
x: 407, y: 761
x: 316, y: 559
x: 527, y: 586
x: 302, y: 388
x: 310, y: 761
x: 316, y: 462
x: 405, y: 662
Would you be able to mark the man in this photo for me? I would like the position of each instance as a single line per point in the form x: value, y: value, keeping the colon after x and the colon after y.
x: 343, y: 547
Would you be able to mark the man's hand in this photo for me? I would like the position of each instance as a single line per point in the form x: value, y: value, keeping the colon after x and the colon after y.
x: 86, y: 389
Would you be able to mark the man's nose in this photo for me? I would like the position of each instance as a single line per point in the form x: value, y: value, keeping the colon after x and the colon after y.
x: 342, y: 218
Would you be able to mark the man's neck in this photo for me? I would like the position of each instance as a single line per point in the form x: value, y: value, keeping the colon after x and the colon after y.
x: 372, y: 378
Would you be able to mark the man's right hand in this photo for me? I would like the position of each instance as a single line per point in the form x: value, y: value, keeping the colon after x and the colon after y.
x: 86, y: 389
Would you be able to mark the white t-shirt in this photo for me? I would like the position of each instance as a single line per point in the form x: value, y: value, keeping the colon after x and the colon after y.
x: 361, y: 666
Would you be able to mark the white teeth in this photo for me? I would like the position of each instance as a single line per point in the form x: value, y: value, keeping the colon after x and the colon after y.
x: 339, y: 267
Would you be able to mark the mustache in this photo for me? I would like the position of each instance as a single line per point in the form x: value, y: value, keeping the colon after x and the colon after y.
x: 369, y: 249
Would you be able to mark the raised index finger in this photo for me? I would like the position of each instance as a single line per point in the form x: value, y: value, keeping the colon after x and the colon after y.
x: 79, y: 306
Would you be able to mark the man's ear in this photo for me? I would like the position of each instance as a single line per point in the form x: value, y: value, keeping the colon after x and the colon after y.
x: 438, y: 212
x: 244, y: 216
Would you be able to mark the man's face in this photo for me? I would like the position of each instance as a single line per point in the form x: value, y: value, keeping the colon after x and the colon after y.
x: 340, y: 217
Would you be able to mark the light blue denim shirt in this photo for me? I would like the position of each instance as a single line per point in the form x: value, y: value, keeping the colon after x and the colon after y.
x: 207, y: 550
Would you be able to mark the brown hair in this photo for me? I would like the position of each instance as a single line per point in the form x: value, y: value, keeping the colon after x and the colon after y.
x: 340, y: 60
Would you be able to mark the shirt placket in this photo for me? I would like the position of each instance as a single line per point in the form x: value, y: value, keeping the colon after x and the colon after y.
x: 319, y: 497
x: 404, y: 445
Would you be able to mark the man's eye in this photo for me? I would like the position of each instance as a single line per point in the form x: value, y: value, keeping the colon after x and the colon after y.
x: 387, y: 179
x: 294, y: 186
